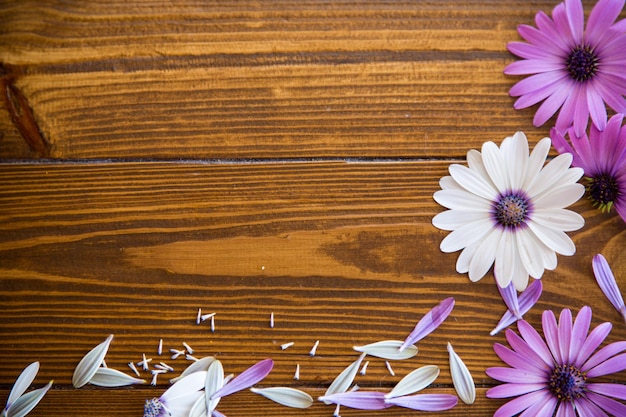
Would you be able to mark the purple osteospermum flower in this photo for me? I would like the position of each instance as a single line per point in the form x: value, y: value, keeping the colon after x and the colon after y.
x: 507, y: 208
x: 602, y: 156
x: 573, y: 68
x: 555, y: 375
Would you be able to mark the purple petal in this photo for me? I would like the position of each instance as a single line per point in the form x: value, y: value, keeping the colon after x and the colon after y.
x: 595, y: 338
x: 607, y: 283
x: 425, y: 402
x: 565, y: 334
x: 216, y: 413
x: 361, y: 400
x: 429, y: 322
x: 517, y: 307
x: 513, y: 390
x: 551, y: 333
x: 530, y: 296
x: 520, y: 346
x: 509, y: 296
x: 602, y: 17
x: 609, y: 366
x: 534, y: 340
x: 517, y: 360
x: 246, y: 379
x: 520, y: 404
x: 610, y: 390
x: 579, y: 332
x: 603, y: 355
x: 609, y: 405
x: 575, y: 18
x: 516, y: 376
x: 507, y: 319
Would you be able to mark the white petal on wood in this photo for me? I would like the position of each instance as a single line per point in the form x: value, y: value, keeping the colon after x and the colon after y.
x: 289, y: 397
x: 199, y: 408
x: 89, y: 364
x: 109, y: 377
x: 23, y: 382
x: 214, y: 382
x: 25, y: 403
x: 388, y: 349
x: 197, y: 366
x: 345, y: 378
x: 461, y: 378
x: 415, y: 381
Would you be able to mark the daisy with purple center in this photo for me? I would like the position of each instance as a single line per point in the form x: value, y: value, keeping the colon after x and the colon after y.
x: 571, y: 67
x: 507, y: 208
x: 556, y: 375
x: 602, y: 155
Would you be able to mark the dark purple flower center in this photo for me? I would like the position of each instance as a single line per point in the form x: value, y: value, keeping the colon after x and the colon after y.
x: 152, y: 408
x: 511, y: 210
x: 603, y: 190
x: 582, y: 63
x: 567, y: 382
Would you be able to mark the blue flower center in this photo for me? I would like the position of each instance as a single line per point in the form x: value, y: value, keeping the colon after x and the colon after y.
x: 153, y: 408
x: 582, y: 63
x: 603, y: 190
x: 567, y: 382
x: 511, y: 210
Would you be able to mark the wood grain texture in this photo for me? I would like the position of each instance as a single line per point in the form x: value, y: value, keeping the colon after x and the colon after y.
x: 343, y: 253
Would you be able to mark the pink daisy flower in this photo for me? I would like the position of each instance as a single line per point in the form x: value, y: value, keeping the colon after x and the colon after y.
x: 556, y: 375
x: 571, y: 67
x: 602, y: 156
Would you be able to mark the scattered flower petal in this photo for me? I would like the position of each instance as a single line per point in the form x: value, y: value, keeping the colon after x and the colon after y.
x: 388, y: 349
x: 179, y: 399
x: 197, y: 366
x: 247, y: 378
x: 415, y: 381
x: 606, y: 281
x: 343, y: 381
x: 25, y: 403
x: 90, y: 363
x: 214, y: 382
x: 429, y: 322
x: 109, y: 377
x: 461, y: 378
x: 361, y: 400
x: 289, y: 397
x: 425, y: 402
x: 22, y: 383
x: 527, y: 299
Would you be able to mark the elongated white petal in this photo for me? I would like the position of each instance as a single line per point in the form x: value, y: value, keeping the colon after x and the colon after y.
x: 109, y: 377
x: 23, y: 382
x: 196, y: 366
x: 345, y: 378
x: 89, y: 364
x: 415, y: 381
x: 25, y: 403
x: 289, y: 397
x: 461, y: 378
x: 214, y: 382
x: 388, y: 349
x: 198, y: 409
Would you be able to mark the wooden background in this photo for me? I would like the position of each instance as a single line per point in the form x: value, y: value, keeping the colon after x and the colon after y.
x: 246, y: 158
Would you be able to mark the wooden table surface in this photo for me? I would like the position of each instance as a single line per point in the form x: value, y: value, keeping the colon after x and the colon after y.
x: 250, y: 158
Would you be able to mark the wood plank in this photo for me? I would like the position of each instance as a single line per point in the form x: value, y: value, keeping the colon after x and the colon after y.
x: 343, y: 253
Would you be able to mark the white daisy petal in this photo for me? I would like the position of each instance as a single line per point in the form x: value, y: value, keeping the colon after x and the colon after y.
x: 505, y: 259
x: 453, y: 219
x: 465, y: 258
x: 472, y: 182
x: 535, y: 161
x: 214, y: 381
x: 555, y: 239
x: 289, y: 397
x: 388, y: 349
x: 466, y: 235
x: 495, y: 166
x: 529, y: 253
x: 448, y: 182
x: 109, y: 377
x: 343, y: 381
x: 415, y: 381
x: 196, y: 366
x: 559, y: 219
x: 23, y: 382
x: 512, y: 148
x: 89, y: 364
x: 461, y: 378
x: 485, y: 255
x: 549, y: 175
x: 560, y: 197
x: 461, y: 199
x: 25, y: 403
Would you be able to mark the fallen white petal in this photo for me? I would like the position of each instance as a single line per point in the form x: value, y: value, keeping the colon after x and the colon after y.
x: 197, y: 366
x: 388, y: 349
x: 199, y: 408
x: 345, y: 378
x: 109, y: 377
x: 23, y: 382
x: 90, y: 363
x: 25, y: 403
x: 415, y: 381
x: 461, y: 378
x: 289, y: 397
x: 214, y: 382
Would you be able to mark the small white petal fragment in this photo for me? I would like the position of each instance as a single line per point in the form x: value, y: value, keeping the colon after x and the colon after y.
x: 389, y: 368
x: 191, y: 358
x: 314, y: 348
x: 461, y: 378
x: 90, y: 363
x: 199, y: 316
x: 296, y: 375
x: 109, y: 377
x: 189, y: 349
x: 415, y: 381
x: 205, y: 317
x: 289, y: 397
x: 176, y: 353
x: 166, y: 366
x: 23, y: 382
x: 213, y: 323
x: 336, y: 413
x: 214, y: 382
x: 197, y: 366
x: 25, y: 403
x: 345, y: 378
x: 388, y: 349
x: 287, y: 345
x: 272, y: 320
x: 144, y: 363
x: 133, y: 368
x: 160, y: 347
x: 364, y: 368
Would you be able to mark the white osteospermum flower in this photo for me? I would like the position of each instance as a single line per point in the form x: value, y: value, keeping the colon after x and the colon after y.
x: 507, y: 207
